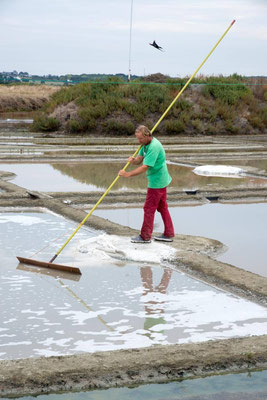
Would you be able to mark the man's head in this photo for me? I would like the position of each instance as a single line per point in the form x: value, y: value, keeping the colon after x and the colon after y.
x: 143, y: 134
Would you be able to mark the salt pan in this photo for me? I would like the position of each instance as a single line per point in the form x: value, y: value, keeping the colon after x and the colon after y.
x: 111, y: 247
x: 219, y: 170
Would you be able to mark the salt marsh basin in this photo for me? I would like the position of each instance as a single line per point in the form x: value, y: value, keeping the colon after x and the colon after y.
x: 128, y: 303
x: 160, y: 362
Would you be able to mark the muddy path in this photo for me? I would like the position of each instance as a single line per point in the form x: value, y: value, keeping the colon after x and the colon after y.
x: 196, y: 257
x: 130, y: 367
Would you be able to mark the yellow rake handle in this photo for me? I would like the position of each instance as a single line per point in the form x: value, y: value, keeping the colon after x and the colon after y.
x: 137, y: 151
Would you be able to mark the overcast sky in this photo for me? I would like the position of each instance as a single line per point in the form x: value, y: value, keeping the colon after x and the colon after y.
x: 92, y: 36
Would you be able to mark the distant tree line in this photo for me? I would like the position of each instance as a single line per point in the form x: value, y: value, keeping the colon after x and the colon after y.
x: 24, y: 77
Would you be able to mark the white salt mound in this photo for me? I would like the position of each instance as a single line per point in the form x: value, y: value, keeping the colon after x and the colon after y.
x: 108, y: 248
x: 219, y: 170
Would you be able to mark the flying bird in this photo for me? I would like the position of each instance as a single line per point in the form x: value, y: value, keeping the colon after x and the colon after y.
x: 154, y: 44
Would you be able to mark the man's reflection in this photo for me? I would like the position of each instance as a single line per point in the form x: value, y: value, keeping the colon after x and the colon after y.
x: 154, y: 307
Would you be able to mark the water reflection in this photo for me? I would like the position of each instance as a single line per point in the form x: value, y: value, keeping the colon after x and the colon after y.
x: 154, y: 305
x: 97, y: 176
x: 49, y: 272
x: 102, y: 174
x: 18, y: 115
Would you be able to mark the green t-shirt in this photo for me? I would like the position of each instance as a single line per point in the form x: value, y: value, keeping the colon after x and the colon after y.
x: 154, y: 157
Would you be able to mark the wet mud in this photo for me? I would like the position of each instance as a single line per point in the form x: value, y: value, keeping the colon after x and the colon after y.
x: 195, y: 256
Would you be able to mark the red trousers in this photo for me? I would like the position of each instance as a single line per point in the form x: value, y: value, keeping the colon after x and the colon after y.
x: 156, y: 199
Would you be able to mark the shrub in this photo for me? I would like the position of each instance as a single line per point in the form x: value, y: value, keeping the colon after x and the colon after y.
x: 184, y: 105
x: 197, y: 125
x: 249, y: 99
x: 149, y: 123
x: 210, y: 130
x: 87, y: 119
x: 223, y: 110
x: 227, y: 94
x: 97, y: 91
x: 75, y: 126
x: 45, y: 123
x: 229, y: 126
x: 256, y: 121
x: 131, y: 90
x: 263, y: 115
x: 173, y: 127
x: 83, y: 101
x: 134, y: 109
x: 119, y: 128
x: 112, y: 102
x: 185, y: 117
x: 99, y: 111
x: 213, y: 115
x: 153, y: 97
x: 176, y: 85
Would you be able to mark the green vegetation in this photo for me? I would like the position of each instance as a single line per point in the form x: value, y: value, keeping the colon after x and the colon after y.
x: 45, y: 123
x: 210, y: 105
x: 227, y: 94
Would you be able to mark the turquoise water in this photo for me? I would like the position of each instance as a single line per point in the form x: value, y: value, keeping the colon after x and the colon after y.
x: 245, y: 386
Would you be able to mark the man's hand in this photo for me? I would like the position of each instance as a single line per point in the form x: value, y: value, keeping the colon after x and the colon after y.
x: 135, y: 160
x: 134, y: 172
x: 124, y: 173
x: 131, y: 160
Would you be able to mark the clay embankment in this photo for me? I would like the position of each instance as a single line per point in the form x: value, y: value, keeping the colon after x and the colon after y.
x: 130, y: 367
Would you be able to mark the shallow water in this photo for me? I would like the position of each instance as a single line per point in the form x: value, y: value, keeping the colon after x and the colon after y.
x: 93, y: 176
x: 115, y: 304
x: 21, y: 118
x: 259, y: 165
x: 241, y: 227
x: 46, y: 177
x: 16, y: 121
x: 245, y: 386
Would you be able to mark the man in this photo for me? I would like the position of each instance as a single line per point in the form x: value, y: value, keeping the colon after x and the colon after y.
x: 152, y: 155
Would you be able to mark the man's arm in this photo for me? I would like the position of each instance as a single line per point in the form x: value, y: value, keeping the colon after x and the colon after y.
x: 134, y: 172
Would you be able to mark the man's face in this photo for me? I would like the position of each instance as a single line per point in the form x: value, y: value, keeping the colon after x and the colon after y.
x: 141, y: 138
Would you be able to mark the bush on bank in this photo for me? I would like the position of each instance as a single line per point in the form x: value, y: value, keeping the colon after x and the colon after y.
x: 45, y: 123
x: 210, y: 105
